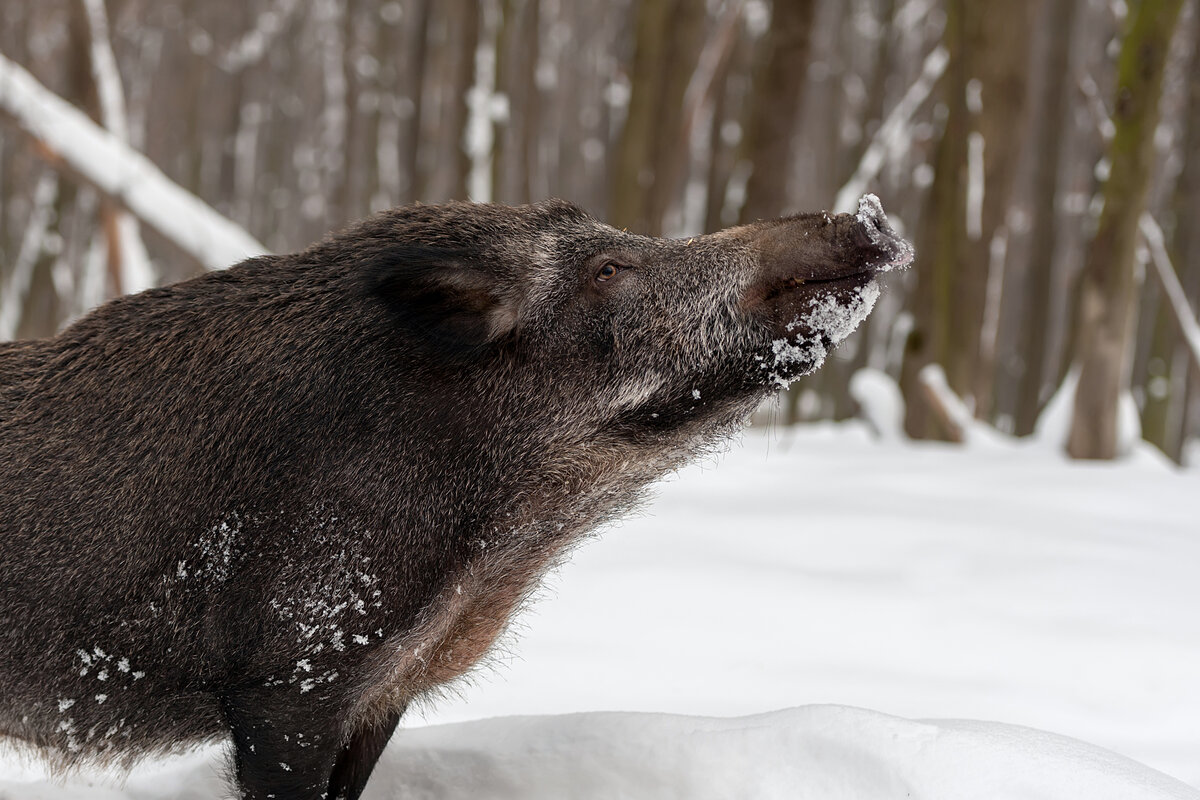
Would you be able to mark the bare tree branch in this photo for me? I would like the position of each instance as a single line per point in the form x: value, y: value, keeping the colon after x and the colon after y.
x: 254, y: 45
x: 894, y: 126
x: 1182, y: 313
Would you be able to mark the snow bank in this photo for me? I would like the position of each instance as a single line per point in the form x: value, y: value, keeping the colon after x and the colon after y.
x: 817, y: 752
x: 880, y: 401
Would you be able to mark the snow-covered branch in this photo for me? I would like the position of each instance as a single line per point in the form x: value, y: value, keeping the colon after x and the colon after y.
x: 104, y: 71
x: 953, y: 413
x: 893, y: 128
x: 1177, y: 299
x: 69, y: 139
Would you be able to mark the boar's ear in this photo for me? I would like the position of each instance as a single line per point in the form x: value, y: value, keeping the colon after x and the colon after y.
x: 444, y: 297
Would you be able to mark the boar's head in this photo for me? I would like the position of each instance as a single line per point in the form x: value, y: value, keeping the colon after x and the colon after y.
x: 630, y: 330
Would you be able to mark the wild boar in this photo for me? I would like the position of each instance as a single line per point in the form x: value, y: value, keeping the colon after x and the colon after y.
x: 274, y: 504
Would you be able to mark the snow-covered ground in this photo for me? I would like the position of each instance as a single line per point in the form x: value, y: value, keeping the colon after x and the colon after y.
x: 816, y: 566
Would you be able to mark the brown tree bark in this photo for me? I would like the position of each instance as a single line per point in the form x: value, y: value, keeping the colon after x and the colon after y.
x: 999, y: 38
x: 416, y: 36
x: 774, y: 107
x: 452, y: 164
x: 1186, y: 245
x: 516, y: 62
x: 729, y: 97
x: 359, y: 163
x: 1108, y: 284
x: 1164, y: 415
x: 877, y: 87
x: 1050, y: 121
x: 668, y: 38
x: 984, y: 90
x: 942, y: 242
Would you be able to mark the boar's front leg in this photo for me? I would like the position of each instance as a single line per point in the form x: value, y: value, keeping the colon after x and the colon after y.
x: 282, y: 749
x: 358, y: 757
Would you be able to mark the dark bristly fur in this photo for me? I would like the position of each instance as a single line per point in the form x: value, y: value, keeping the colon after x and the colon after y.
x: 277, y: 503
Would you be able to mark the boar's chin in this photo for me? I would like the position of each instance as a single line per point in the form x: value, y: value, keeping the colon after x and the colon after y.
x: 810, y: 321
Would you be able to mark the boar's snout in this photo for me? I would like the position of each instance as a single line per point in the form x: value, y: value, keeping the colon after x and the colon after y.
x: 815, y: 248
x: 874, y: 234
x: 815, y: 253
x: 815, y: 281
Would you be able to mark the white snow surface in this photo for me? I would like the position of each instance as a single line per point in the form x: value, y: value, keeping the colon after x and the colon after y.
x: 822, y: 572
x: 811, y: 753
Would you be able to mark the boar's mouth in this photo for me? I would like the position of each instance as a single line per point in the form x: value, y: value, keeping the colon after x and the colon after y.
x: 786, y: 286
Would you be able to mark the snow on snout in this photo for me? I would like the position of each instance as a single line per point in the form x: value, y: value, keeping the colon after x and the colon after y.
x: 870, y: 215
x: 870, y: 212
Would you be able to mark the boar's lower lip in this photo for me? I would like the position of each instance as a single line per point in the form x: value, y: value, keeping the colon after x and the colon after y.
x: 843, y: 277
x: 796, y: 283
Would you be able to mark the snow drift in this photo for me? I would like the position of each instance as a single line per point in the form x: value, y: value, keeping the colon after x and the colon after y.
x: 817, y: 752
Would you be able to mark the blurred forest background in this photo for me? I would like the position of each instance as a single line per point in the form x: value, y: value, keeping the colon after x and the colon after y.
x: 1044, y: 155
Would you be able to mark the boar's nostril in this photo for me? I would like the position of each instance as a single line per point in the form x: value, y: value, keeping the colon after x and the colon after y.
x: 872, y: 219
x: 870, y: 212
x: 874, y: 224
x: 865, y: 234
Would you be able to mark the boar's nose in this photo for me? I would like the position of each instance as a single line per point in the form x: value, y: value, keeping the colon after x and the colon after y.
x: 871, y: 217
x: 872, y: 225
x: 820, y: 247
x: 811, y: 247
x: 860, y: 233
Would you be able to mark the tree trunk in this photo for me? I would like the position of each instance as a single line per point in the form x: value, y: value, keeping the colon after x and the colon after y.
x: 942, y: 242
x: 668, y: 38
x: 1052, y: 109
x: 459, y: 24
x: 775, y: 106
x: 730, y: 95
x: 1169, y: 386
x: 417, y: 38
x: 985, y: 97
x: 1186, y: 244
x: 42, y: 308
x: 516, y: 62
x: 1108, y: 284
x: 876, y: 98
x: 1000, y: 35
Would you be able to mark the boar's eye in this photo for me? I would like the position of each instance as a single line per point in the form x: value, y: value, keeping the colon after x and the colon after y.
x: 609, y: 270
